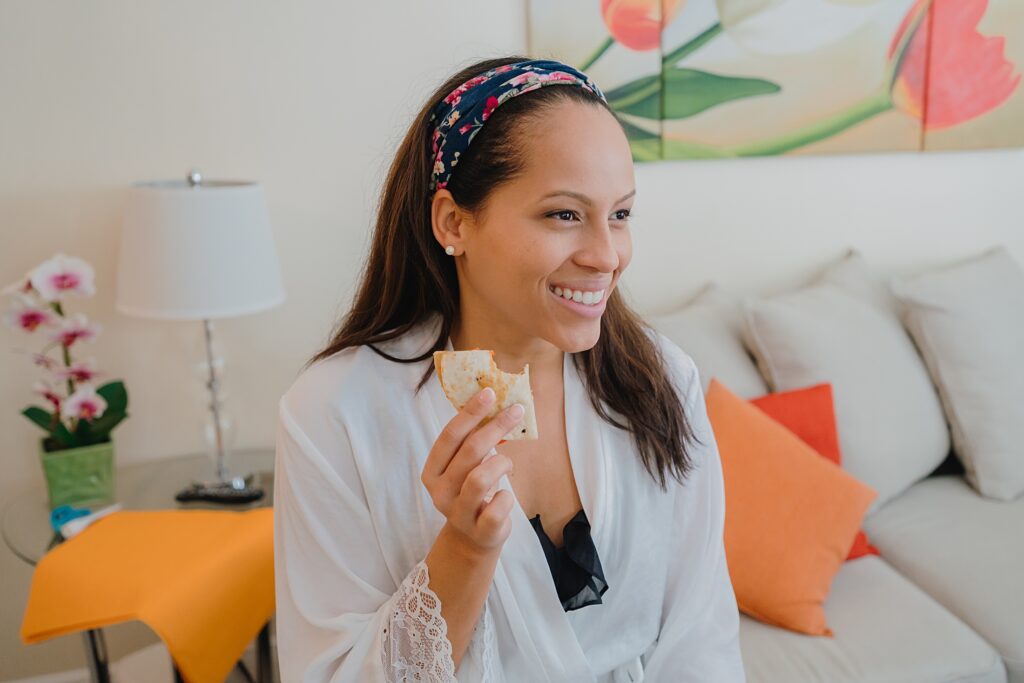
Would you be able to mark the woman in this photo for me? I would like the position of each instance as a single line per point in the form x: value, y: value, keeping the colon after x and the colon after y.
x: 412, y: 543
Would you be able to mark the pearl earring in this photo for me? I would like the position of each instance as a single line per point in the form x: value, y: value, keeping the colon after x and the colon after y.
x: 449, y: 250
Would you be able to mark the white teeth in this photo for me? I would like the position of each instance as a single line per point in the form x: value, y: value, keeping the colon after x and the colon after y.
x: 579, y: 296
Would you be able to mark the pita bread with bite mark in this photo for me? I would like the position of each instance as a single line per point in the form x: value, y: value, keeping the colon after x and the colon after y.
x: 464, y: 373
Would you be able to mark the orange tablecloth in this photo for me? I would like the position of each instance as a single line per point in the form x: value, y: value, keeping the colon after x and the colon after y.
x: 203, y: 580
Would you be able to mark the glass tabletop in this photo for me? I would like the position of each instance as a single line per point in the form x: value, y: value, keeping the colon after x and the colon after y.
x: 149, y: 485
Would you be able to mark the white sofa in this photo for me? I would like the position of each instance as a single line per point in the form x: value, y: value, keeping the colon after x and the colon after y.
x: 945, y: 601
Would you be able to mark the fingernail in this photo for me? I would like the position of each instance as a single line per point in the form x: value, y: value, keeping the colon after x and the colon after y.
x: 516, y: 411
x: 487, y: 395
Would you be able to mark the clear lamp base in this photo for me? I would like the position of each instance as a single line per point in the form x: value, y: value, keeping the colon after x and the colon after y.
x: 237, y: 491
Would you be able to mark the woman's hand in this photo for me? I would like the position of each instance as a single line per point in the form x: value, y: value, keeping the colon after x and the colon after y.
x: 459, y: 476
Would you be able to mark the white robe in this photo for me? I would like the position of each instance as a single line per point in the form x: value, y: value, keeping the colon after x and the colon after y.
x: 353, y: 523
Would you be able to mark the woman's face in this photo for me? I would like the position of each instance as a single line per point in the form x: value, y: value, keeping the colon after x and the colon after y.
x: 556, y: 239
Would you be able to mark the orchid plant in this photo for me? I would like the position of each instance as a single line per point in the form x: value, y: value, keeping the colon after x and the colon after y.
x: 81, y: 414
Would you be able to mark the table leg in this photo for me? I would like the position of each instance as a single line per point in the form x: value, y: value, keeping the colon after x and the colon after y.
x: 96, y: 655
x: 264, y: 666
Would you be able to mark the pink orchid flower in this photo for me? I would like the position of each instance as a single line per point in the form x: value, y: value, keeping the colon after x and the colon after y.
x: 48, y: 393
x: 85, y: 403
x: 27, y: 316
x: 74, y: 328
x: 61, y: 275
x: 79, y: 371
x: 42, y: 360
x: 23, y: 286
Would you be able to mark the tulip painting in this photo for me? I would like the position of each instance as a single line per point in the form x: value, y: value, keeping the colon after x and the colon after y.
x: 734, y: 78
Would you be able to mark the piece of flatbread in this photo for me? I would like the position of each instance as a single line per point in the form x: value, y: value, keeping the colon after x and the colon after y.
x: 464, y: 373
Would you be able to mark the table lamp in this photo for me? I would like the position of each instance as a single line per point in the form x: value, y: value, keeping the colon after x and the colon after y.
x: 198, y: 250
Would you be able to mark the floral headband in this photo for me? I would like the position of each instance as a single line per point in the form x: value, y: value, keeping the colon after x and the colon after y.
x: 463, y: 111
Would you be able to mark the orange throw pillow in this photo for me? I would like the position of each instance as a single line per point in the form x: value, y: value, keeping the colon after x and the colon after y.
x: 790, y: 515
x: 810, y: 414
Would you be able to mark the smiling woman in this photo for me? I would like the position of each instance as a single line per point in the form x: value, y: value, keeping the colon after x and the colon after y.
x: 394, y: 561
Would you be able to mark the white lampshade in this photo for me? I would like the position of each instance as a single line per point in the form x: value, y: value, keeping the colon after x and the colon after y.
x: 197, y: 251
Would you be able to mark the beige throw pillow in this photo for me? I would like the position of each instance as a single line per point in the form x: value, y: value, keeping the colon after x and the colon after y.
x: 710, y: 329
x: 843, y: 328
x: 968, y: 320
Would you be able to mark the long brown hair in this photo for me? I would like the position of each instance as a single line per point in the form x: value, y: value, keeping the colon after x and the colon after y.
x: 407, y: 277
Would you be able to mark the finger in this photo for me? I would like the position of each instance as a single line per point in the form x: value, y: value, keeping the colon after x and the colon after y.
x: 453, y: 433
x: 477, y: 484
x: 481, y: 442
x: 495, y: 514
x: 483, y: 477
x: 494, y: 487
x: 490, y: 492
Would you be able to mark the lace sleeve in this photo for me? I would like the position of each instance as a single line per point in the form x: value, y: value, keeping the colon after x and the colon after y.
x: 416, y: 646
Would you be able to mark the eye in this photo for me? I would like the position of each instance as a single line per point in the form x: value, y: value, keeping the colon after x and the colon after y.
x: 628, y: 213
x: 561, y: 212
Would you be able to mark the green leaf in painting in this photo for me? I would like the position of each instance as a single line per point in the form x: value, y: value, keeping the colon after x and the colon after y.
x: 645, y: 145
x: 689, y: 91
x: 645, y: 150
x: 686, y: 92
x: 640, y: 97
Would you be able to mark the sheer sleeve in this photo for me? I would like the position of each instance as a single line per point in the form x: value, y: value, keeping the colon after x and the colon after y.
x: 699, y: 637
x: 340, y: 618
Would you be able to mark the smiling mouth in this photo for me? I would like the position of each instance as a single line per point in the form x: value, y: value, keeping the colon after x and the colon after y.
x: 582, y: 297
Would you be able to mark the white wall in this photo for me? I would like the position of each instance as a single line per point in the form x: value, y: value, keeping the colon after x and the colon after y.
x: 311, y: 98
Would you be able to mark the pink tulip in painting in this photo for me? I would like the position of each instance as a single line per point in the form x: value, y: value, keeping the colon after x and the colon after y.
x: 965, y: 72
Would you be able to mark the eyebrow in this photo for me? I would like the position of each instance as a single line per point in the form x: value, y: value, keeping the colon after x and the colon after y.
x: 582, y: 197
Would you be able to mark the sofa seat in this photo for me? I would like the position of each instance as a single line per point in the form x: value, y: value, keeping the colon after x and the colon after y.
x: 964, y: 550
x: 887, y: 630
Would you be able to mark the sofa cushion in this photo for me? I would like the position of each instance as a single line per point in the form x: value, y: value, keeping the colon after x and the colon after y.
x: 791, y: 517
x: 887, y: 630
x: 709, y: 328
x: 844, y: 329
x: 810, y: 414
x: 968, y: 321
x: 967, y: 551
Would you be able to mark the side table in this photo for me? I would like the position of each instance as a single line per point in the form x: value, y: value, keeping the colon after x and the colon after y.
x: 150, y: 485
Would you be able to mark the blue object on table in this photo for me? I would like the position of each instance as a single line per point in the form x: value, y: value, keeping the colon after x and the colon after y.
x: 64, y: 514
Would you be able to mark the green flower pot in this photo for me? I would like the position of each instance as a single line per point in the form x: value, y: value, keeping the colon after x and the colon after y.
x: 80, y: 476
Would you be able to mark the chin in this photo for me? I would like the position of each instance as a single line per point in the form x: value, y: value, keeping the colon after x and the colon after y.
x: 583, y: 338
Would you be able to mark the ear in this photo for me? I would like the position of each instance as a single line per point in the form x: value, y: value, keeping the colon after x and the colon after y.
x: 449, y: 222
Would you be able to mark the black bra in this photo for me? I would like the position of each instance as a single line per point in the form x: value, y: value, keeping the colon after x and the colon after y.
x: 575, y: 566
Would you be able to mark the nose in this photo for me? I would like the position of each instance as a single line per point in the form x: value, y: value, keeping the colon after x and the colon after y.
x: 600, y: 250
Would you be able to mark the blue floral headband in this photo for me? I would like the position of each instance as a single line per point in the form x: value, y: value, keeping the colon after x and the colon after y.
x: 463, y: 111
